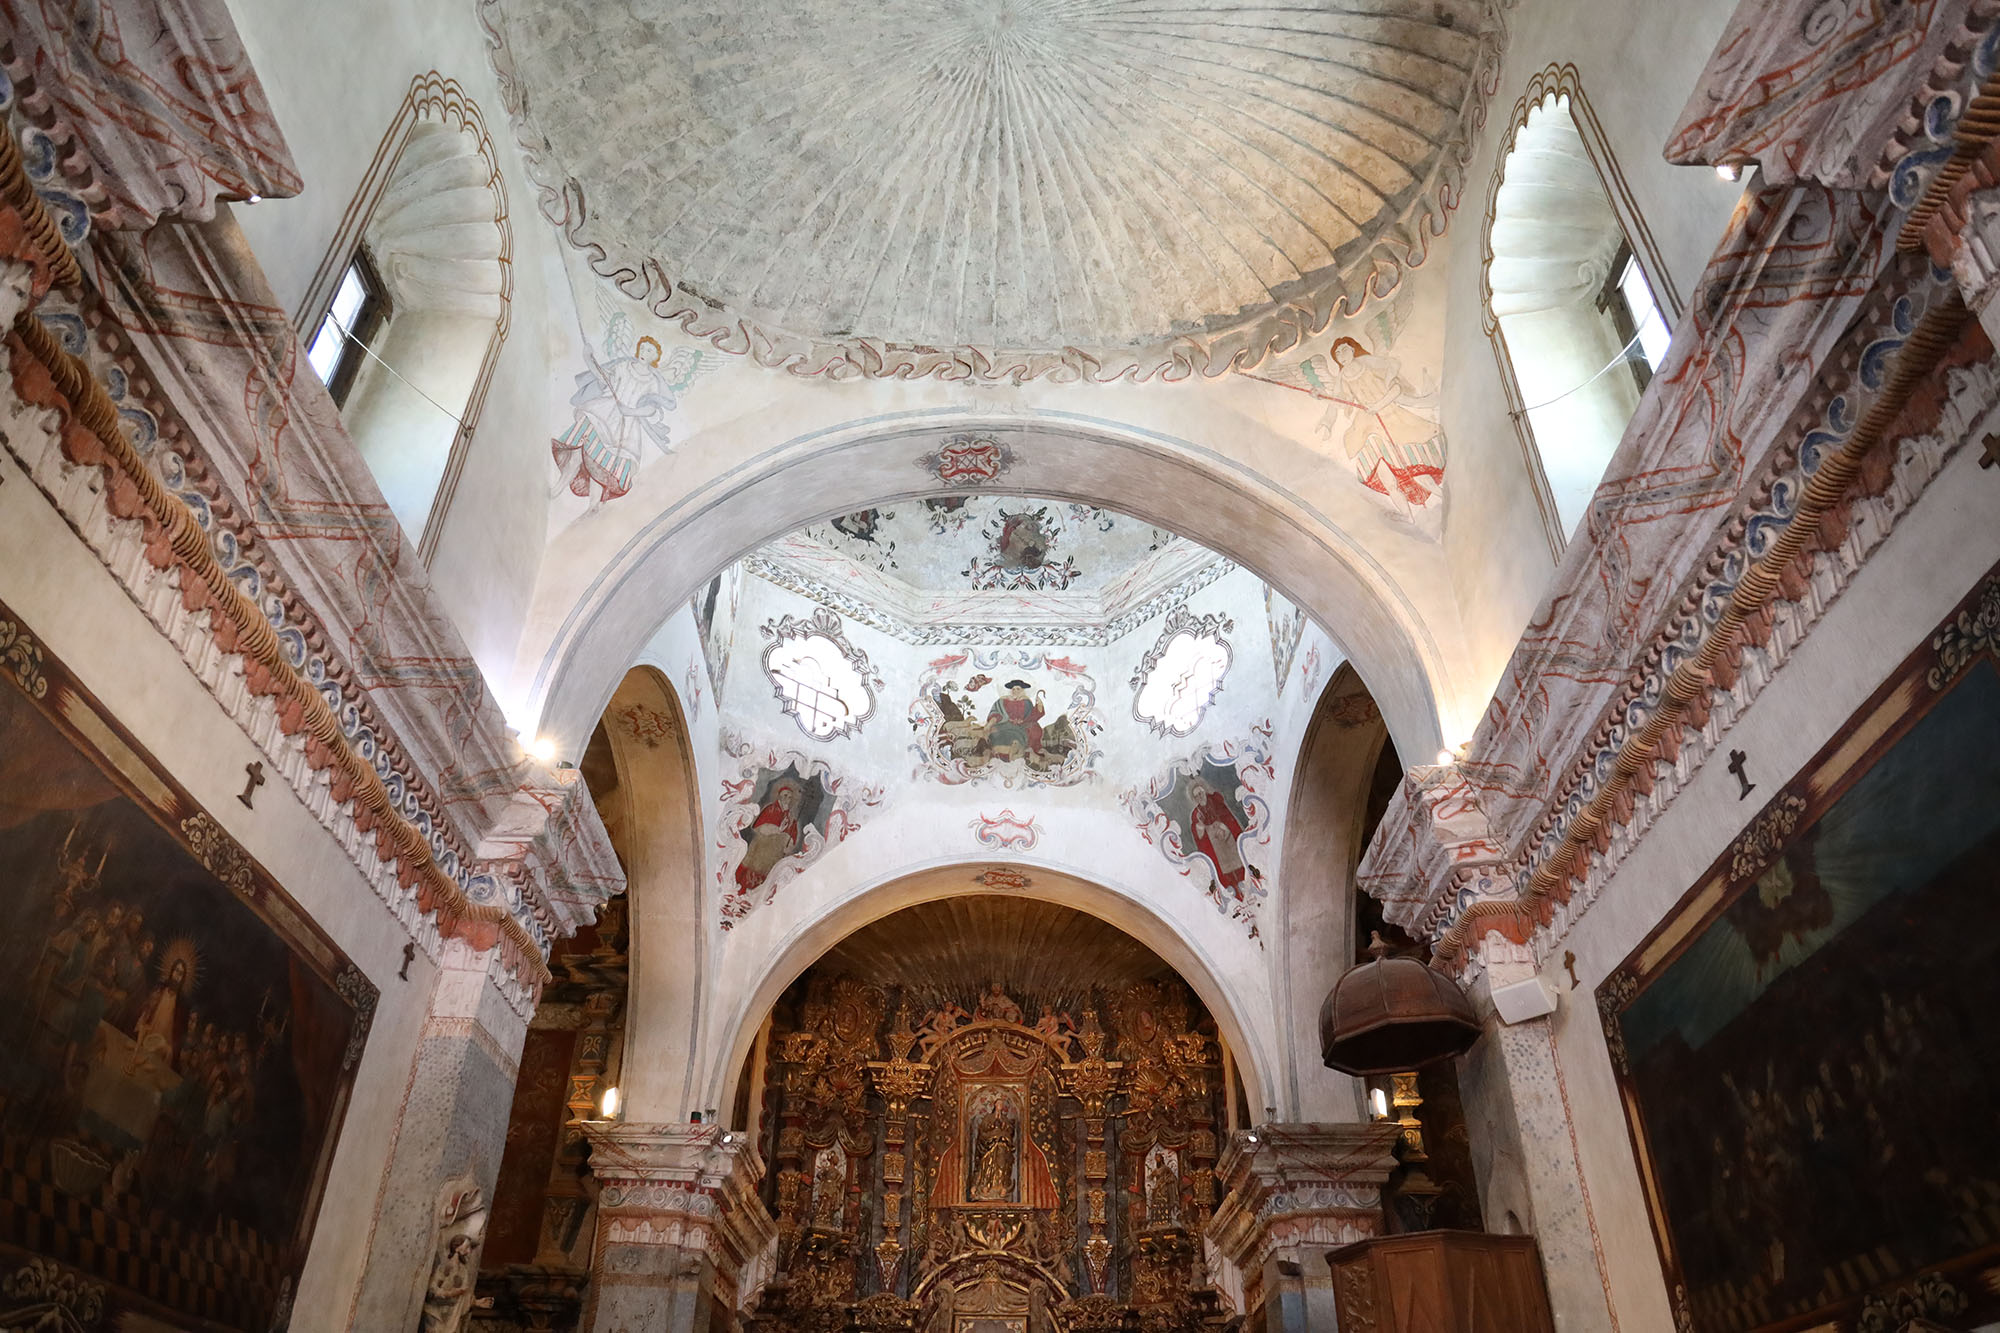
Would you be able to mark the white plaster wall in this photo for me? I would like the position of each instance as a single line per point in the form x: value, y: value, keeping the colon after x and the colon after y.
x: 70, y: 602
x: 1637, y: 64
x: 335, y: 75
x: 1937, y: 552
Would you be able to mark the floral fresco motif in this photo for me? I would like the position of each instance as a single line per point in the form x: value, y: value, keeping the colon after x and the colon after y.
x: 1006, y: 832
x: 968, y: 460
x: 1209, y: 815
x: 1288, y: 626
x: 860, y: 535
x: 985, y: 714
x: 779, y: 815
x: 1023, y: 557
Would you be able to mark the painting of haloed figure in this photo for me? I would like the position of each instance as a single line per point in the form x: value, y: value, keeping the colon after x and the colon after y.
x: 1205, y: 807
x: 790, y: 809
x: 174, y: 1069
x: 1806, y: 1058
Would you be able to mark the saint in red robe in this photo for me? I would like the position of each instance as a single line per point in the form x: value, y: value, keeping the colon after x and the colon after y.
x: 1215, y: 833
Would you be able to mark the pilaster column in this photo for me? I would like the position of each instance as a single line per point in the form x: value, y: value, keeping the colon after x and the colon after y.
x: 450, y: 1134
x: 1525, y: 1155
x: 1293, y: 1192
x: 683, y: 1241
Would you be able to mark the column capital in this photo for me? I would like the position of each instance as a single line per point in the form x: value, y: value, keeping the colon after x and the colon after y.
x: 688, y: 1187
x: 1299, y: 1187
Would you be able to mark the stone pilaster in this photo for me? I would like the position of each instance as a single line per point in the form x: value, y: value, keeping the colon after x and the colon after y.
x: 1525, y: 1156
x: 683, y: 1241
x: 451, y: 1131
x: 1291, y: 1193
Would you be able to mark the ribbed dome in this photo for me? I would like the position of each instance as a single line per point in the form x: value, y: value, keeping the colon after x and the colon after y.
x: 1096, y: 186
x: 954, y: 948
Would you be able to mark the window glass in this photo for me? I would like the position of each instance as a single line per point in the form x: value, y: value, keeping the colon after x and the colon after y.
x: 1651, y: 326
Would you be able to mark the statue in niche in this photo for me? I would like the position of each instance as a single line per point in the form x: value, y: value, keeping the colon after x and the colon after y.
x: 461, y: 1227
x: 996, y: 1005
x: 1163, y: 1189
x: 829, y: 1190
x: 996, y: 1129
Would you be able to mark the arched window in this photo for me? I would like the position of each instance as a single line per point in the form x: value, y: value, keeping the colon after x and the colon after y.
x: 405, y: 318
x: 1577, y: 304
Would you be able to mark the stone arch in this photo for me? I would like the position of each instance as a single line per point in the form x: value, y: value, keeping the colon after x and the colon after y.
x: 657, y: 816
x: 431, y: 213
x: 733, y: 1033
x: 1314, y: 944
x: 1200, y: 493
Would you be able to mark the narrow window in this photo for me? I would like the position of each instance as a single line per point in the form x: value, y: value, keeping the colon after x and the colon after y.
x: 1572, y: 305
x: 356, y: 316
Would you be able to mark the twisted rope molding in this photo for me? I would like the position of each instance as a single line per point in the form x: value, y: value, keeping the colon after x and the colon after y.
x: 1689, y: 683
x: 48, y: 376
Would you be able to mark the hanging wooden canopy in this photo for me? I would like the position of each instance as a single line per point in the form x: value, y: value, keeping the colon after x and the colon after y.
x: 1393, y: 1015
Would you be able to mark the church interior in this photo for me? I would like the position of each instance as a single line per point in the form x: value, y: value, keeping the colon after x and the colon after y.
x: 1000, y: 666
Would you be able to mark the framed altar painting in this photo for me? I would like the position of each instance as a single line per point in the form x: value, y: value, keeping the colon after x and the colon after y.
x: 178, y: 1045
x: 1805, y: 1045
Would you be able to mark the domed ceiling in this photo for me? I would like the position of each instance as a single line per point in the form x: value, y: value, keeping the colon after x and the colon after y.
x: 990, y: 569
x: 998, y: 188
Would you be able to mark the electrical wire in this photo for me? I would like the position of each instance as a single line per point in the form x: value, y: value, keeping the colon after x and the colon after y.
x: 1623, y: 354
x: 370, y: 353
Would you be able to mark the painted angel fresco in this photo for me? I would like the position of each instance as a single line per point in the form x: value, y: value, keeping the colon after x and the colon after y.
x: 1385, y: 419
x: 622, y: 403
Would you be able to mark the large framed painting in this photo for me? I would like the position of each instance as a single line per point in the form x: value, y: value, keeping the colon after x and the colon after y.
x: 1805, y: 1046
x: 177, y: 1045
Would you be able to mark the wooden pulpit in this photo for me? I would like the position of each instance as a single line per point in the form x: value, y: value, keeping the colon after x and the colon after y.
x: 1441, y: 1282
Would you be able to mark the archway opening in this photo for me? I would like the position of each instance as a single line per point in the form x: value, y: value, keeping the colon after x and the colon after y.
x: 991, y: 1077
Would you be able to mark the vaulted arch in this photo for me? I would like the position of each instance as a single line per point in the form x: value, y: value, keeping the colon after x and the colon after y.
x: 1380, y: 616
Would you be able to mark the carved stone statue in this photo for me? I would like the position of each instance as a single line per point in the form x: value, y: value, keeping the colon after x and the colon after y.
x: 461, y: 1228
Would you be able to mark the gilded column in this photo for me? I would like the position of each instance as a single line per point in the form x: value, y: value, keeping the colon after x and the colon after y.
x: 683, y: 1242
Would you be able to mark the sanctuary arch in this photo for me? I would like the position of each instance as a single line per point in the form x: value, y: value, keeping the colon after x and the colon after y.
x: 1380, y: 600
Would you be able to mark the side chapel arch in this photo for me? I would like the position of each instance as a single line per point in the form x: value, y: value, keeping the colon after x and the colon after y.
x: 657, y: 820
x: 1344, y: 742
x: 1172, y: 483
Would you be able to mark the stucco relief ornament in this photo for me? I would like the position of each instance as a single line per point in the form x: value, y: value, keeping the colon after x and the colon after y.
x: 1182, y: 672
x: 968, y: 460
x: 778, y: 816
x: 1209, y: 815
x: 1975, y: 633
x: 22, y: 657
x: 821, y: 681
x: 1760, y: 844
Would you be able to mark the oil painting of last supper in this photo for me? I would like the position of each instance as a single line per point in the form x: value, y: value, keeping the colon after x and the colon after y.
x: 179, y: 1065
